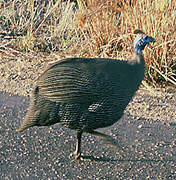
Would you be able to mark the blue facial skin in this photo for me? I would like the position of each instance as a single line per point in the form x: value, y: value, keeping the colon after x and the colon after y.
x: 140, y: 43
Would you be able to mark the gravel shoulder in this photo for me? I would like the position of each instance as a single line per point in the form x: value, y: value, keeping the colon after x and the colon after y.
x: 145, y: 136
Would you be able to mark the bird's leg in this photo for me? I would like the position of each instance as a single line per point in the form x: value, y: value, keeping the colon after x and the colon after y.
x: 105, y: 137
x: 96, y: 133
x: 77, y: 152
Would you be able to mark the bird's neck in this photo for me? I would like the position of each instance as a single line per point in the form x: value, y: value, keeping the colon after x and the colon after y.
x: 139, y: 59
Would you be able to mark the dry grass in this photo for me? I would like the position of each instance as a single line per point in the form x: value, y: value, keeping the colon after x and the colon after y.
x: 157, y: 18
x: 100, y: 28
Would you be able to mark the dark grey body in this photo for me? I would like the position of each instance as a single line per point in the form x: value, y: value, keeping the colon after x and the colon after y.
x: 84, y: 94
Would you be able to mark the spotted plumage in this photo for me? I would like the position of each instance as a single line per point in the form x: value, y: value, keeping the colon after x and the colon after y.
x: 86, y: 93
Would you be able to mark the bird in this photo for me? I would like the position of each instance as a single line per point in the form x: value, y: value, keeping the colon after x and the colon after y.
x: 85, y: 94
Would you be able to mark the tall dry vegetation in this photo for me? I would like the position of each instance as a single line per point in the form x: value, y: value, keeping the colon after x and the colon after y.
x: 157, y: 18
x: 99, y: 28
x: 111, y: 24
x: 98, y: 22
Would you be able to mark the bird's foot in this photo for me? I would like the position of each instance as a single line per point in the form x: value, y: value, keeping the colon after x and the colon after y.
x: 75, y: 156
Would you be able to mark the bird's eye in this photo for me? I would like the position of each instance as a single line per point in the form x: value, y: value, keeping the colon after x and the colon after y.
x: 146, y: 37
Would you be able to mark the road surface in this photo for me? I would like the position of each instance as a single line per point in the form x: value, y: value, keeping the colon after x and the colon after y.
x: 145, y: 149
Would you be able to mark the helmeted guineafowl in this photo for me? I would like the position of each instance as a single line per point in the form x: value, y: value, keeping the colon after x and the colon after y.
x: 86, y: 93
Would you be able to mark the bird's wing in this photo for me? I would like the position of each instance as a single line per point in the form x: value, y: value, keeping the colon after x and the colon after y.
x: 77, y: 80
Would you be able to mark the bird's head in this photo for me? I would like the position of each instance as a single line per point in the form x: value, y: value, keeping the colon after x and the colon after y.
x: 141, y: 41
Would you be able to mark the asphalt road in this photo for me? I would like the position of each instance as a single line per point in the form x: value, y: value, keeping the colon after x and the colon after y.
x: 145, y: 149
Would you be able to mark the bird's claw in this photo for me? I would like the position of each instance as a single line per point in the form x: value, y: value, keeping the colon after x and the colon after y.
x: 75, y: 156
